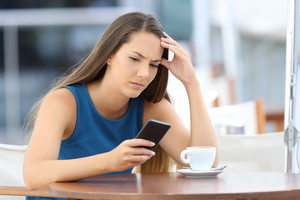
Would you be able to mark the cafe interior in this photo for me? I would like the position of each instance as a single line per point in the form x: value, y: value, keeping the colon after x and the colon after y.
x: 244, y: 53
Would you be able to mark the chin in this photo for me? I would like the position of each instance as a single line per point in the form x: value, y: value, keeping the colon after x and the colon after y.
x: 133, y: 94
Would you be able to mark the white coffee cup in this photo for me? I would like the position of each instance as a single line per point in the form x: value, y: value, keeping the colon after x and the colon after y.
x: 200, y: 158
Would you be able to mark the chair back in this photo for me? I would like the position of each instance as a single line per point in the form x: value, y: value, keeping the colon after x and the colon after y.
x: 11, y: 167
x: 255, y: 153
x: 250, y: 113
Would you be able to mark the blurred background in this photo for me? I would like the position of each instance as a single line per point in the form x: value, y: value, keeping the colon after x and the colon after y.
x: 238, y: 48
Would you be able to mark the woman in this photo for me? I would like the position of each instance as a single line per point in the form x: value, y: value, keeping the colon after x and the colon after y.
x: 86, y: 124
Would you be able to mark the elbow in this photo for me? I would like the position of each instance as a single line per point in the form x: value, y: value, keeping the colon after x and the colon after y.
x: 29, y: 182
x: 32, y: 180
x: 32, y: 184
x: 29, y: 185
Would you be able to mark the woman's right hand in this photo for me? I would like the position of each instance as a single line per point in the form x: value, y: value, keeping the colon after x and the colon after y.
x: 130, y: 154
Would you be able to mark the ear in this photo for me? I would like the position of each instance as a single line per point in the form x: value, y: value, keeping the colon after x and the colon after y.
x: 109, y: 61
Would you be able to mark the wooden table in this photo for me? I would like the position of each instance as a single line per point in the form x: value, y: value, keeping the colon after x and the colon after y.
x: 228, y: 185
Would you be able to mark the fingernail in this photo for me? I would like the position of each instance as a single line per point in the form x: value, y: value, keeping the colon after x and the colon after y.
x: 153, y: 153
x: 152, y: 143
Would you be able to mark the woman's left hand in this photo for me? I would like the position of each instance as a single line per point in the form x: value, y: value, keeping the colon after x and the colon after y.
x: 181, y: 65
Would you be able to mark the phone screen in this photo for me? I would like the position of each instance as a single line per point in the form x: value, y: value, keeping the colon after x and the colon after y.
x: 154, y: 131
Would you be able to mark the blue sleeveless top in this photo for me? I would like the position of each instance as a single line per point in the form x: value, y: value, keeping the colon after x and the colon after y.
x: 95, y: 134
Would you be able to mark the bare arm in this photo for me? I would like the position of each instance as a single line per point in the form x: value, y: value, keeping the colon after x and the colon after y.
x: 201, y: 132
x: 56, y: 121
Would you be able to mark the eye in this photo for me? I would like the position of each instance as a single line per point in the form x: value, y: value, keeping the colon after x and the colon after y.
x: 134, y: 59
x: 155, y: 66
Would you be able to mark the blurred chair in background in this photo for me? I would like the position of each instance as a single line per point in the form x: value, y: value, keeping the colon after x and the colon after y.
x: 250, y: 117
x: 11, y: 168
x: 275, y: 115
x: 11, y: 164
x: 242, y: 141
x: 260, y: 153
x: 12, y: 186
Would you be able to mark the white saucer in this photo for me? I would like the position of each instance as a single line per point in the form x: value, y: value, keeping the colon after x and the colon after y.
x: 188, y: 173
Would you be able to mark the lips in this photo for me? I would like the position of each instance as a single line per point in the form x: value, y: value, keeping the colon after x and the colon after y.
x: 138, y: 85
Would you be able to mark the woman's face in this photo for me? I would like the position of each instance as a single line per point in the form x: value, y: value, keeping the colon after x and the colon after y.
x: 132, y: 68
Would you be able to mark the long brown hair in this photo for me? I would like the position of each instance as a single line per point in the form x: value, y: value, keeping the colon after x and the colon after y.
x: 94, y: 66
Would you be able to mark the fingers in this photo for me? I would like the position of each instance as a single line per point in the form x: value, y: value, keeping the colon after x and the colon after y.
x: 169, y: 43
x: 140, y: 142
x: 165, y: 62
x: 138, y: 159
x: 136, y: 154
x: 176, y: 49
x: 169, y: 40
x: 185, y: 58
x: 130, y: 154
x: 137, y: 147
x: 142, y: 151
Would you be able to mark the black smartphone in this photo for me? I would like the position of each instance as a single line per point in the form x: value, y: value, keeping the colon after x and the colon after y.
x: 154, y: 131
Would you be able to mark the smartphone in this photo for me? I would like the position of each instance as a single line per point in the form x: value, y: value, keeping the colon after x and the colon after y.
x: 154, y: 131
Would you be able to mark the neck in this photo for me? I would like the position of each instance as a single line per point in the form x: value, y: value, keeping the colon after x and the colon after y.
x: 107, y: 102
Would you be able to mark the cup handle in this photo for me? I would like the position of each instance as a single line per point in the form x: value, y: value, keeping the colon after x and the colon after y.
x: 182, y: 156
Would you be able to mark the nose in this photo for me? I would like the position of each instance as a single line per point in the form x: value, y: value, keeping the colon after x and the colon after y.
x: 143, y: 72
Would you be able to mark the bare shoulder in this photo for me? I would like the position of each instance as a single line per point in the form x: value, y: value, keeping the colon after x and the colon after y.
x: 60, y: 94
x: 61, y: 101
x: 61, y: 97
x: 160, y: 105
x: 59, y: 108
x: 162, y: 110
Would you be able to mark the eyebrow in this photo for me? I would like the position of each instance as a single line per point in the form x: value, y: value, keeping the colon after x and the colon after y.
x: 142, y: 56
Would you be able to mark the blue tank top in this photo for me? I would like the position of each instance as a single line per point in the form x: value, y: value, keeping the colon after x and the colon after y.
x: 95, y: 134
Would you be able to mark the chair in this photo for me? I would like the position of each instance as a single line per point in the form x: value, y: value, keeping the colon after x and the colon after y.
x: 255, y: 153
x: 11, y: 164
x: 12, y: 185
x: 251, y: 113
